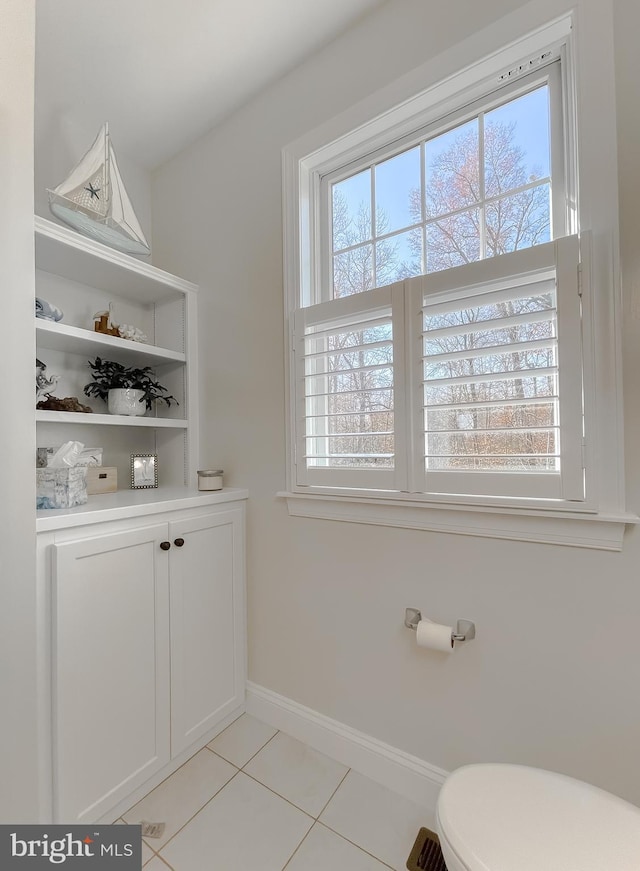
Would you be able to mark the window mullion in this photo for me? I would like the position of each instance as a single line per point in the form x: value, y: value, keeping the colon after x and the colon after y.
x: 570, y: 367
x: 299, y: 404
x: 423, y: 203
x: 401, y: 388
x: 374, y: 247
x: 414, y: 439
x: 481, y: 188
x: 322, y: 232
x: 562, y: 206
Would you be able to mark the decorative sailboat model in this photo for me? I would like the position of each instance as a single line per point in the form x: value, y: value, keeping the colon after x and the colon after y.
x: 93, y: 200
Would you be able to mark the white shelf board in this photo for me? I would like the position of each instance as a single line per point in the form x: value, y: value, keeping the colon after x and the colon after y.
x: 109, y: 419
x: 133, y: 503
x: 65, y: 252
x: 74, y: 340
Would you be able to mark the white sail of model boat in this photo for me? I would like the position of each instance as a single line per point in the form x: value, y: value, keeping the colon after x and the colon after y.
x: 93, y: 200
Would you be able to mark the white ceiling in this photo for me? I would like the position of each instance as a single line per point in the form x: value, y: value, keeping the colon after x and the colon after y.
x: 163, y: 72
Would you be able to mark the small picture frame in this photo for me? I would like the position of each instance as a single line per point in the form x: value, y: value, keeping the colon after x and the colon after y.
x: 144, y: 471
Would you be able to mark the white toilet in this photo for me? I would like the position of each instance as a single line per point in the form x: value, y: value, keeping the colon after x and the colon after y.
x: 498, y: 817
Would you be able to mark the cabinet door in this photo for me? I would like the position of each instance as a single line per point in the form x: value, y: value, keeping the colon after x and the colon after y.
x: 110, y: 669
x: 207, y: 623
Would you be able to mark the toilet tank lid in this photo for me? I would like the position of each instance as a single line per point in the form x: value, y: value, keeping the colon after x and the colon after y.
x: 498, y: 816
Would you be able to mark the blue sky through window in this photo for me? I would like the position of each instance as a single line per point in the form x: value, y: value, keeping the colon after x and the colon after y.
x: 452, y: 182
x: 395, y: 179
x: 530, y: 116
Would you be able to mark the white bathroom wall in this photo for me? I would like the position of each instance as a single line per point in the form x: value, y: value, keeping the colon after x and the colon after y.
x: 18, y: 692
x: 551, y: 679
x: 627, y: 26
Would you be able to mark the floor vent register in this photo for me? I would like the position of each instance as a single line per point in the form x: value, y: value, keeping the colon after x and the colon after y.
x: 152, y: 830
x: 426, y: 854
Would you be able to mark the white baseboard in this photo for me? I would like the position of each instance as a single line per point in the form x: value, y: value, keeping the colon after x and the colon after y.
x: 405, y: 774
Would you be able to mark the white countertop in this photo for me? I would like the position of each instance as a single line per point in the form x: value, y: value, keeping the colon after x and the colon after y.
x: 133, y: 503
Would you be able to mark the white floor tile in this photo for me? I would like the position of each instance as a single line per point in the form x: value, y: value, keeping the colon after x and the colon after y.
x: 242, y: 739
x: 147, y: 853
x: 244, y: 827
x: 376, y: 819
x: 323, y: 850
x: 296, y: 772
x: 182, y: 794
x: 156, y: 864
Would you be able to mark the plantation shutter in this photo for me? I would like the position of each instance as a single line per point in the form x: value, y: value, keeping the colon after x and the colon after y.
x: 498, y: 382
x: 347, y: 391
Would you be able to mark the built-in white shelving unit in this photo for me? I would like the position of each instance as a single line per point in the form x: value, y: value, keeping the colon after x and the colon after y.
x: 81, y: 419
x: 82, y: 277
x: 62, y: 251
x: 170, y: 559
x: 75, y: 340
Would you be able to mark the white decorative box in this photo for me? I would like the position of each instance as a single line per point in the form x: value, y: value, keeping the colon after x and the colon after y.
x: 61, y: 488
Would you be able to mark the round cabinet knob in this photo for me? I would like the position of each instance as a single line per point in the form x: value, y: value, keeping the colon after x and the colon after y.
x: 165, y: 545
x: 179, y: 542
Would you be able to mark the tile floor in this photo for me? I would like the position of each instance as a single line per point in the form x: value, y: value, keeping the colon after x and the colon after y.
x: 255, y: 799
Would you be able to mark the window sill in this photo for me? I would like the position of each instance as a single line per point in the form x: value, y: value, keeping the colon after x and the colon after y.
x: 573, y: 529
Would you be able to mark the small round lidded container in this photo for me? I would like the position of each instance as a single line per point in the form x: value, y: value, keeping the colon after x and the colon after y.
x: 210, y: 479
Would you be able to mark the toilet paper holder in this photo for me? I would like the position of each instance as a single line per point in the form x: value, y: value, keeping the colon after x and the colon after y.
x: 465, y: 629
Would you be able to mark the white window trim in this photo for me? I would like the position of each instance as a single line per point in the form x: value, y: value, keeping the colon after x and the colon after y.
x: 578, y: 35
x: 595, y: 531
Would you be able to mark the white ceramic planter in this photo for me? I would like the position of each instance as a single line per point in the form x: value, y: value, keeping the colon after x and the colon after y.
x: 126, y: 400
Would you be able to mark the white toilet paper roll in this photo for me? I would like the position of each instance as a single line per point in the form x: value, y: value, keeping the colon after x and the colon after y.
x: 435, y: 636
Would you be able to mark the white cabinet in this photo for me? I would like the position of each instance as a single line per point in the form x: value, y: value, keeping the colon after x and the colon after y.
x: 207, y: 674
x: 110, y: 674
x: 148, y: 649
x: 82, y: 277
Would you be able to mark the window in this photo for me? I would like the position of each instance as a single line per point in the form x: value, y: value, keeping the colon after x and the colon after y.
x: 501, y: 401
x: 476, y: 187
x: 448, y: 385
x: 451, y: 333
x: 346, y: 388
